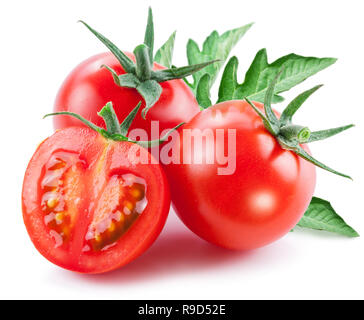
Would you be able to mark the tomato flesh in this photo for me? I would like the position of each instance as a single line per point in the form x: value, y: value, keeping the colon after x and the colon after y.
x: 88, y: 88
x: 61, y: 190
x: 260, y: 201
x: 120, y: 204
x: 89, y: 205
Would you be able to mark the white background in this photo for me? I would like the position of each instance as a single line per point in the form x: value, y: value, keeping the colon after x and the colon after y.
x: 41, y: 42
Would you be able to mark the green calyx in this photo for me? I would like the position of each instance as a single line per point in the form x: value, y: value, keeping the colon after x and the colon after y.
x: 290, y: 135
x: 114, y: 130
x: 140, y: 74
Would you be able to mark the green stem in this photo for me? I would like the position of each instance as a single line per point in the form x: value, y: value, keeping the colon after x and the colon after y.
x: 115, y: 131
x: 291, y: 136
x: 295, y: 132
x: 110, y: 118
x: 143, y: 63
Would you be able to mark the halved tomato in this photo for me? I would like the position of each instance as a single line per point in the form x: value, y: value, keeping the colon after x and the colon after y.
x: 89, y: 204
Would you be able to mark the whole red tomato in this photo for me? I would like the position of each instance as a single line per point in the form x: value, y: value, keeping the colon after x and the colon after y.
x: 89, y: 87
x: 89, y: 204
x: 251, y: 206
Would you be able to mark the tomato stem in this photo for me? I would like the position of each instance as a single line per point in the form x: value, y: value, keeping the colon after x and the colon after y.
x: 110, y: 118
x: 290, y: 136
x: 143, y: 64
x: 295, y: 132
x: 140, y: 75
x: 116, y: 131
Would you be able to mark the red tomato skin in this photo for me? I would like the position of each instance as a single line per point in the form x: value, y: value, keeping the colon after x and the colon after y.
x: 91, y: 146
x: 88, y: 88
x: 258, y: 204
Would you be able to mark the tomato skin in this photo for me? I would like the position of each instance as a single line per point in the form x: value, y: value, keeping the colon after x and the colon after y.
x: 88, y: 88
x: 103, y: 159
x: 265, y: 197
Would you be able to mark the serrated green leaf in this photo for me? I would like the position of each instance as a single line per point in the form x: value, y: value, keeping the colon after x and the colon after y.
x: 230, y: 80
x: 203, y: 92
x: 214, y: 47
x: 320, y: 215
x: 165, y: 53
x: 261, y: 74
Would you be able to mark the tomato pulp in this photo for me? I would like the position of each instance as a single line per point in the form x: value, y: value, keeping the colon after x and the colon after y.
x: 89, y: 204
x: 89, y: 87
x: 260, y: 201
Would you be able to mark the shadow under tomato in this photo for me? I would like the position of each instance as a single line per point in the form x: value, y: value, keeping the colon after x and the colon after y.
x: 177, y: 251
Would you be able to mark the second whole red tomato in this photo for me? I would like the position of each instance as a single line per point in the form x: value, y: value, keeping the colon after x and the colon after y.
x: 260, y: 201
x: 89, y: 87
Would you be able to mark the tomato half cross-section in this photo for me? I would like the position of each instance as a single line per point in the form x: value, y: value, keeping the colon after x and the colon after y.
x: 92, y: 204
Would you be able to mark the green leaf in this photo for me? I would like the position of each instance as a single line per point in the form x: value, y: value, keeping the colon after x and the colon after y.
x: 260, y: 74
x: 230, y: 80
x: 214, y: 47
x: 165, y: 53
x: 203, y: 92
x: 320, y: 215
